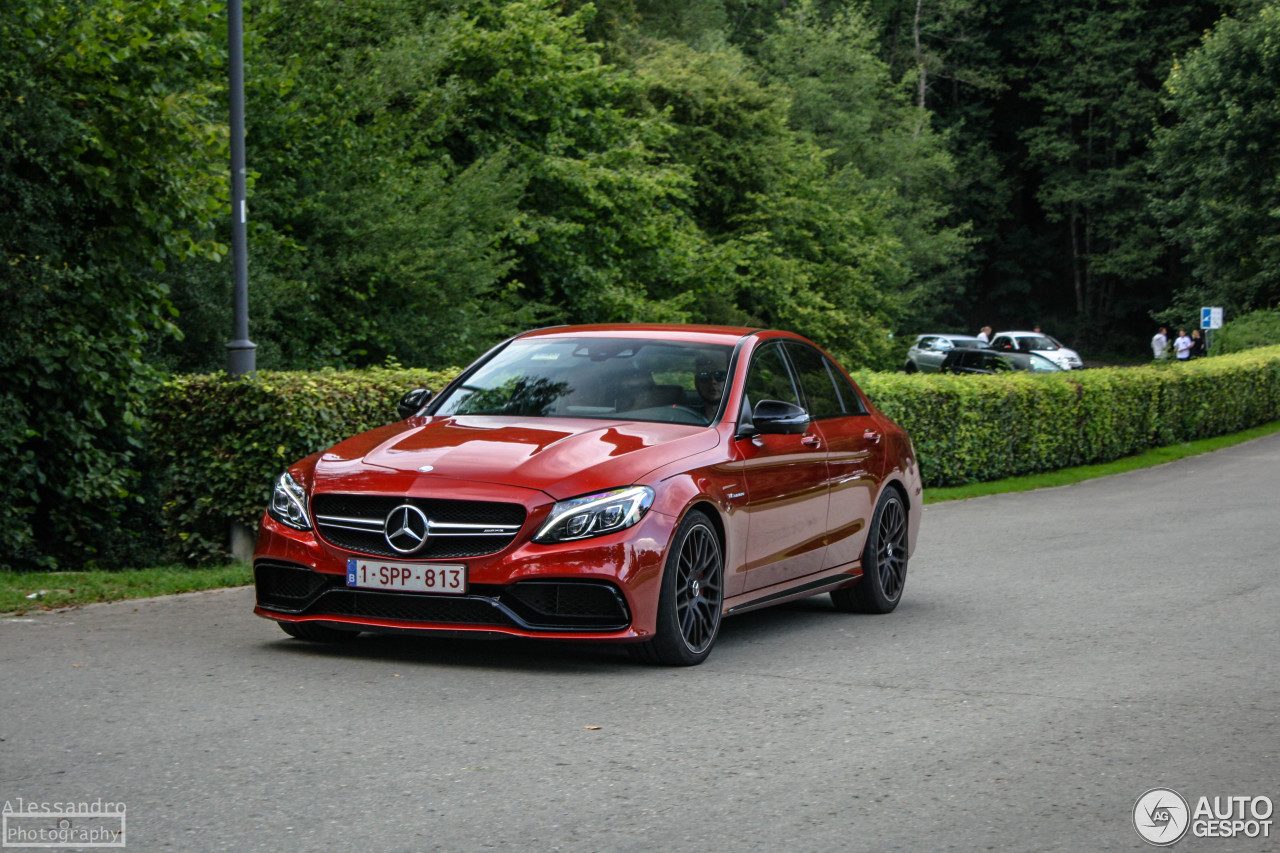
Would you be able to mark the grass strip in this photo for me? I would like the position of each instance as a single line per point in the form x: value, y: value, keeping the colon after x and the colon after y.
x: 24, y: 591
x: 1067, y: 476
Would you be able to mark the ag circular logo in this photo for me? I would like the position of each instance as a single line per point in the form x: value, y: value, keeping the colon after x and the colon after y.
x: 1161, y: 817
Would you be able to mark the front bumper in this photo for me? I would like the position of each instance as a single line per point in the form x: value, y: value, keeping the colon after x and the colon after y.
x: 597, y: 589
x: 289, y: 592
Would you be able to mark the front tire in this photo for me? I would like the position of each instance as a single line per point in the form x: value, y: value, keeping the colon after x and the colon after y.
x: 884, y: 561
x: 691, y: 598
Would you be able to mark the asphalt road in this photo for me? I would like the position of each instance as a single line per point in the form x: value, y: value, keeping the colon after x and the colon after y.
x: 1057, y: 654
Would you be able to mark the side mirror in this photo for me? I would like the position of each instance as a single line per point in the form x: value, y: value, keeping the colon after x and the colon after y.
x: 412, y: 403
x: 774, y: 417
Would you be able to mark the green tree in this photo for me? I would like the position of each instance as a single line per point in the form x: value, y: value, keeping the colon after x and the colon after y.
x: 112, y: 166
x: 790, y: 247
x: 1095, y: 88
x: 1216, y: 165
x: 365, y: 244
x: 881, y: 144
x: 432, y: 176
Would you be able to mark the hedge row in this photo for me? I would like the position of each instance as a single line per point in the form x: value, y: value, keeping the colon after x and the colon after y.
x: 219, y: 444
x: 971, y: 429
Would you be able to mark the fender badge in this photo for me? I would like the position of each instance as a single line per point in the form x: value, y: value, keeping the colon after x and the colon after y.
x: 426, y: 468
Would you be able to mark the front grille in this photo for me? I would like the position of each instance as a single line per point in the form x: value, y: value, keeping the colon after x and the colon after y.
x: 458, y: 528
x: 528, y: 605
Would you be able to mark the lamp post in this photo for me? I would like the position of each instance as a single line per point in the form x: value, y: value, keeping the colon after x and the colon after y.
x: 241, y: 359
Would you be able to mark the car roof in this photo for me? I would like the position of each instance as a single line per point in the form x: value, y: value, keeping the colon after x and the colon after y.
x: 654, y: 331
x: 949, y: 336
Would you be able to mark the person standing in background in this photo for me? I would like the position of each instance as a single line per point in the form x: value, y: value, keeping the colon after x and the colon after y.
x: 985, y: 335
x: 1182, y: 346
x: 1160, y: 343
x: 1197, y: 344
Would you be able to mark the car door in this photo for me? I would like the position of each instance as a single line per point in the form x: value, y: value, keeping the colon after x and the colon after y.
x: 855, y: 451
x: 931, y: 359
x: 786, y: 484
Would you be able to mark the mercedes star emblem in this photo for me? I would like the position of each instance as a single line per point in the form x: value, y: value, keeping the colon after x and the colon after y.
x: 406, y: 529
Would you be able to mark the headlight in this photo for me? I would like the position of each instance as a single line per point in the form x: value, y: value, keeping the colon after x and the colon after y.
x: 289, y: 504
x: 595, y: 515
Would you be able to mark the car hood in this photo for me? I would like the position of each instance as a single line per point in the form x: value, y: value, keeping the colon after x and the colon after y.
x: 560, y: 456
x: 1060, y: 354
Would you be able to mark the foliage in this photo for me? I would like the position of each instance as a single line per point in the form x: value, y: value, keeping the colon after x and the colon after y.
x: 970, y: 429
x: 1255, y: 329
x: 448, y: 174
x: 1095, y: 86
x: 364, y: 242
x: 218, y: 444
x: 111, y: 168
x: 1217, y: 166
x: 880, y: 144
x: 791, y: 247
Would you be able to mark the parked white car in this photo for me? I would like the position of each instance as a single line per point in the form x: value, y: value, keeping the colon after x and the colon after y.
x: 927, y: 353
x: 1040, y: 344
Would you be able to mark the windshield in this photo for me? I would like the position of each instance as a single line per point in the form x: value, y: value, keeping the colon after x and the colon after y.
x: 606, y: 378
x: 1027, y: 343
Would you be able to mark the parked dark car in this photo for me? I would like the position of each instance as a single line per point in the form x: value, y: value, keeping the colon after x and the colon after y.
x: 927, y: 353
x: 628, y: 484
x: 992, y: 361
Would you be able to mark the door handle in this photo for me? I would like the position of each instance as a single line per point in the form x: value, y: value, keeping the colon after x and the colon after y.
x: 872, y: 436
x: 811, y: 441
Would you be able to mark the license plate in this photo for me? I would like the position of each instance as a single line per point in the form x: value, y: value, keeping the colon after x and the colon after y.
x: 402, y: 577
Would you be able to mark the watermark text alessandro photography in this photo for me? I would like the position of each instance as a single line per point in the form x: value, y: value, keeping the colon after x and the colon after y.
x: 32, y: 823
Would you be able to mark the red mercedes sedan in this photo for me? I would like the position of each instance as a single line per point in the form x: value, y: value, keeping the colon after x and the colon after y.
x: 631, y: 484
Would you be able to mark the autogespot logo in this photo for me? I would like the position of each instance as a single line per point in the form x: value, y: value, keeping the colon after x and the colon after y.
x: 1161, y: 817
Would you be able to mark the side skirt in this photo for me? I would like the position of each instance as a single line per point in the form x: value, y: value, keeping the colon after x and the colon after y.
x: 770, y: 596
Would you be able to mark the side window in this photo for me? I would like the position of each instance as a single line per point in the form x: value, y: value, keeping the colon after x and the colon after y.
x: 768, y: 378
x: 816, y: 381
x: 850, y: 402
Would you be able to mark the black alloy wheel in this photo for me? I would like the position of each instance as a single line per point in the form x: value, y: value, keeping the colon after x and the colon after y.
x: 884, y: 561
x: 692, y: 596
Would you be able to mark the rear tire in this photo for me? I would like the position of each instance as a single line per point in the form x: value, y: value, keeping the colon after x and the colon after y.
x: 884, y: 561
x: 692, y: 595
x: 316, y: 633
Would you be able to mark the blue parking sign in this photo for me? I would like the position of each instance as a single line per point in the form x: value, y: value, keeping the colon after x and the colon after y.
x: 1211, y: 318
